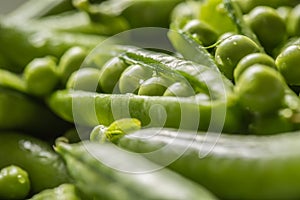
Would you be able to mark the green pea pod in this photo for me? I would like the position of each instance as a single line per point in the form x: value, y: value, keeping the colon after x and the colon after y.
x: 91, y: 109
x: 190, y: 48
x: 80, y: 22
x: 11, y: 80
x: 64, y: 192
x: 91, y: 166
x: 24, y: 43
x: 200, y: 77
x: 21, y: 112
x: 37, y: 9
x: 44, y: 167
x: 130, y: 11
x: 237, y: 167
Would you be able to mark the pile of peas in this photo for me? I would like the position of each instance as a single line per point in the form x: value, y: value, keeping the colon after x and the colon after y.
x: 263, y: 69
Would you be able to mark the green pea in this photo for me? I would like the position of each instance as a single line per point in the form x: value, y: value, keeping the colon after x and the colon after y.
x: 288, y: 62
x: 251, y: 59
x: 133, y: 77
x: 41, y: 76
x: 110, y: 74
x: 86, y: 79
x: 271, y: 124
x: 293, y: 21
x: 14, y: 183
x: 202, y: 31
x: 155, y: 86
x: 71, y: 61
x: 179, y: 90
x: 260, y: 89
x: 268, y: 26
x: 231, y: 50
x: 44, y: 167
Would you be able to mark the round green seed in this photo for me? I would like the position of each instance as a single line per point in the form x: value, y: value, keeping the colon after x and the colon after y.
x: 132, y: 78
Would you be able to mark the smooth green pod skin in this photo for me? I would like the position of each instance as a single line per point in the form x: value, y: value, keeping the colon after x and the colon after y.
x: 71, y: 61
x: 86, y: 79
x: 44, y: 167
x: 41, y: 76
x: 14, y: 183
x: 12, y: 80
x: 231, y: 50
x: 293, y: 21
x: 99, y: 181
x: 20, y: 112
x: 40, y: 9
x: 261, y: 89
x: 155, y: 86
x: 179, y: 89
x: 132, y: 77
x: 24, y: 43
x: 91, y: 109
x: 110, y: 74
x: 203, y: 32
x: 288, y: 63
x: 251, y: 59
x: 272, y: 124
x: 268, y: 26
x: 65, y: 191
x: 237, y: 167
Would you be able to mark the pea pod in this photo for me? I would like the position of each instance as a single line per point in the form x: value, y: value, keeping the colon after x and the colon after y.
x: 237, y: 167
x: 98, y: 180
x: 65, y: 191
x: 129, y: 11
x: 11, y: 80
x: 79, y: 22
x: 24, y: 43
x: 199, y: 76
x: 40, y: 9
x: 22, y: 112
x: 91, y: 109
x: 190, y: 48
x: 44, y: 167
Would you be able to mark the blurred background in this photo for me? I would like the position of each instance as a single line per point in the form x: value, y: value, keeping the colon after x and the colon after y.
x: 8, y: 5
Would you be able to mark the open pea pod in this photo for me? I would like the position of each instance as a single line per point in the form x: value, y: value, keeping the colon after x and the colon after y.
x: 220, y: 108
x: 199, y: 76
x: 190, y: 48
